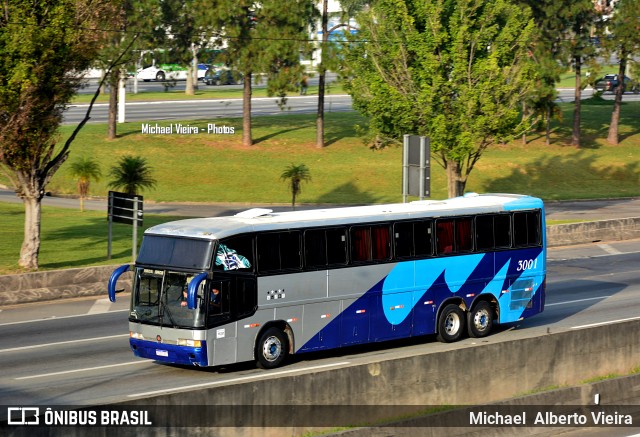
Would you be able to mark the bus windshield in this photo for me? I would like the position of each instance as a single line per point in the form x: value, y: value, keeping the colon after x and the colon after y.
x: 160, y: 297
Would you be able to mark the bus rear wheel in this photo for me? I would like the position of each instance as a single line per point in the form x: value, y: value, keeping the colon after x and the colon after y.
x: 480, y: 320
x: 450, y: 324
x: 272, y: 348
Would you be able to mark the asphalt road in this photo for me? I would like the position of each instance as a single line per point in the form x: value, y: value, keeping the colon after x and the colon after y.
x: 209, y: 110
x: 75, y: 352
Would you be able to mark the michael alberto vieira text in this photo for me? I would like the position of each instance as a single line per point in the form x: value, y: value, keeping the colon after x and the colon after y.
x: 594, y: 418
x: 185, y: 129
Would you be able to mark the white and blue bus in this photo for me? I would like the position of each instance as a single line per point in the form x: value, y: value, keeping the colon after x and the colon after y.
x: 261, y: 285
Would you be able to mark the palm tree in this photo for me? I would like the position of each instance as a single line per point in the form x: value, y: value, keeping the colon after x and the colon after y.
x: 131, y: 174
x: 296, y: 174
x: 85, y: 169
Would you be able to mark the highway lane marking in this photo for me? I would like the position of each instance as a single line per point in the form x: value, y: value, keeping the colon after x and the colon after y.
x: 605, y: 323
x: 609, y: 249
x: 35, y: 346
x: 100, y: 306
x: 87, y: 369
x: 575, y: 301
x: 244, y: 378
x: 58, y: 318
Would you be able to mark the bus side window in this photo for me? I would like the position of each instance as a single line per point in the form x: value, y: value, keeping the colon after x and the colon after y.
x: 484, y: 232
x: 464, y: 237
x: 370, y: 243
x: 526, y: 227
x: 279, y: 251
x: 336, y: 246
x: 235, y: 253
x: 444, y: 236
x: 315, y: 248
x: 502, y: 230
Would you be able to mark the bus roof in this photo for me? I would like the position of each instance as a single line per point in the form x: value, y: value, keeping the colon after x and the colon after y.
x: 259, y: 219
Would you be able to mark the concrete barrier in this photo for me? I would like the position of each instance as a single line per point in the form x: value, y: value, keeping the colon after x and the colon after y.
x: 58, y: 284
x: 477, y: 373
x: 92, y: 281
x: 588, y: 232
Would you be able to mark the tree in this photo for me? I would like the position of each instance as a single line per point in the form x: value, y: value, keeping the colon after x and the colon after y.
x: 455, y: 71
x: 85, y: 169
x: 580, y: 17
x: 624, y: 42
x: 295, y: 174
x: 262, y: 37
x: 547, y: 54
x: 328, y: 53
x: 139, y: 25
x: 131, y: 174
x: 45, y: 46
x: 184, y: 35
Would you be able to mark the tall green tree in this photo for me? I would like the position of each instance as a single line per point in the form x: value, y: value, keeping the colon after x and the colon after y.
x: 139, y: 27
x: 580, y: 18
x: 623, y: 41
x: 455, y: 71
x: 85, y: 169
x: 547, y: 54
x: 131, y: 174
x: 184, y: 35
x: 262, y: 37
x: 45, y: 46
x: 296, y: 175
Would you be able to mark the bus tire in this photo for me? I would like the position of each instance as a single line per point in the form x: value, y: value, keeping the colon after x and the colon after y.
x: 451, y: 324
x: 480, y: 320
x: 160, y: 76
x: 272, y: 348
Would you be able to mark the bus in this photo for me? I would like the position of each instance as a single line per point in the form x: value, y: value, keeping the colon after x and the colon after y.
x: 259, y: 285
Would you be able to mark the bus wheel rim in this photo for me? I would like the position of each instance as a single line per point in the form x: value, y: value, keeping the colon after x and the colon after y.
x: 452, y: 323
x: 481, y: 319
x: 272, y: 348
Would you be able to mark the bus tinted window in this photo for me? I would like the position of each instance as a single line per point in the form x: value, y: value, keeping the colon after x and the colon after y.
x: 464, y: 238
x: 235, y: 253
x: 325, y: 247
x: 370, y: 243
x: 174, y: 251
x: 526, y: 229
x: 278, y: 251
x: 315, y: 248
x: 502, y: 230
x: 412, y: 239
x: 336, y: 246
x: 444, y: 236
x: 493, y: 231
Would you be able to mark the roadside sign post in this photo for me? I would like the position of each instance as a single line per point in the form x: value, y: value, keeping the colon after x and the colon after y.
x: 416, y: 167
x: 128, y: 209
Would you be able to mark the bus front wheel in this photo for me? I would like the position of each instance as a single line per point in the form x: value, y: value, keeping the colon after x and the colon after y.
x: 480, y: 320
x: 450, y: 324
x: 271, y: 349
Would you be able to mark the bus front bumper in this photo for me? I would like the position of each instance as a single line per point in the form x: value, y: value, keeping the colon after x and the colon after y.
x: 169, y: 353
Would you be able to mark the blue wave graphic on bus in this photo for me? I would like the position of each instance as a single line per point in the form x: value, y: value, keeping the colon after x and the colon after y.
x: 401, y: 278
x: 405, y: 302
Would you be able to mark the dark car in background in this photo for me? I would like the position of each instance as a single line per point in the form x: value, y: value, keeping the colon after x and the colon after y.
x: 223, y: 77
x: 610, y: 82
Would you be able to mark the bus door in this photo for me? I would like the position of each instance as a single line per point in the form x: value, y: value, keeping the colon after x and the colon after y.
x: 238, y: 301
x: 355, y: 320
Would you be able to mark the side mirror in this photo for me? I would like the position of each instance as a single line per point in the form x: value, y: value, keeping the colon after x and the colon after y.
x: 114, y: 278
x: 193, y: 289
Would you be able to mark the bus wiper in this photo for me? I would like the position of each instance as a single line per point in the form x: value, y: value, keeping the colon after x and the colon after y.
x: 165, y: 308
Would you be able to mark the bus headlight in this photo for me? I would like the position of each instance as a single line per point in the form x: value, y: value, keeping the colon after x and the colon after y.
x: 136, y: 335
x: 189, y: 342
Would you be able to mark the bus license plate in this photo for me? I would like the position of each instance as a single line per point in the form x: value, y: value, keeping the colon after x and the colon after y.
x: 162, y: 353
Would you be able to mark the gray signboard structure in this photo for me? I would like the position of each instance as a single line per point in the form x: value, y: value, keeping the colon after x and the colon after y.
x: 127, y: 209
x: 416, y: 167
